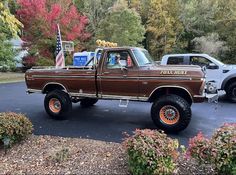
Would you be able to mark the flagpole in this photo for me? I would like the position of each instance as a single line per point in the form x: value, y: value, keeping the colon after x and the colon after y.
x: 60, y: 58
x: 58, y: 28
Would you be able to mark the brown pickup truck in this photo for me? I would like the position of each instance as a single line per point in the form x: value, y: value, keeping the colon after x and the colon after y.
x: 122, y: 73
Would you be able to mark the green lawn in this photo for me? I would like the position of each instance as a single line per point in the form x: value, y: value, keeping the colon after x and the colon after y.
x: 9, y: 77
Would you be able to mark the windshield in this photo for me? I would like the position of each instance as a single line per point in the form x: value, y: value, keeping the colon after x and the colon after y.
x: 143, y: 57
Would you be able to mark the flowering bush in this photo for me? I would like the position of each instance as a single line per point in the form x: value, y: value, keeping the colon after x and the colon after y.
x: 219, y: 151
x: 13, y: 128
x: 223, y: 149
x: 29, y: 61
x: 151, y: 152
x: 199, y: 148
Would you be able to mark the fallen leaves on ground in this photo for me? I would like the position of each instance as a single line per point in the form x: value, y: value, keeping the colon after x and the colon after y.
x: 57, y: 155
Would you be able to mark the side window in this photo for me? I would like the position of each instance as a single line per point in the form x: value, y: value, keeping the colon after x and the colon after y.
x: 175, y: 60
x: 200, y: 61
x: 119, y: 59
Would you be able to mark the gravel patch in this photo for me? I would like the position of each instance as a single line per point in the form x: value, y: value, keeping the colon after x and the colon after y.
x: 57, y: 155
x: 191, y: 167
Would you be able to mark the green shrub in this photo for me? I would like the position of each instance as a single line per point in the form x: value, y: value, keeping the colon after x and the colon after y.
x: 151, y: 152
x: 220, y: 150
x: 223, y: 149
x: 199, y: 148
x: 14, y: 128
x: 7, y: 54
x: 4, y: 68
x: 45, y: 62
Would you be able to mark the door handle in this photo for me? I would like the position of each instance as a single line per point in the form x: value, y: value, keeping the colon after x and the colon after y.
x: 106, y: 72
x: 89, y: 72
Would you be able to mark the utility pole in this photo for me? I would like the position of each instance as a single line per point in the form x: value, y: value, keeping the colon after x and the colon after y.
x: 129, y: 3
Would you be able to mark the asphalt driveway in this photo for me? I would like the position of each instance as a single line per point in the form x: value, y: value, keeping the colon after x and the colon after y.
x: 106, y: 120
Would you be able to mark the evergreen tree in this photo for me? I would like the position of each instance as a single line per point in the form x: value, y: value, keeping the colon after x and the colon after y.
x: 121, y: 25
x: 9, y: 27
x: 163, y: 27
x: 95, y: 11
x: 225, y: 19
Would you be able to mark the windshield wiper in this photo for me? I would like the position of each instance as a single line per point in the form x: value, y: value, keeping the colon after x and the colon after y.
x: 147, y: 63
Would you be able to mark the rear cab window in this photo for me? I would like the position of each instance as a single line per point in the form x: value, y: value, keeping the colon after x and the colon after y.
x: 176, y: 60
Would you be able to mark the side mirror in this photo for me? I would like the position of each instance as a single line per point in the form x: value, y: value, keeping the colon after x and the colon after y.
x: 129, y: 66
x: 212, y: 66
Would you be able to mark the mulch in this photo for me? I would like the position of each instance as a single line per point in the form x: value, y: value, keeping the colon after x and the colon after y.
x: 57, y: 155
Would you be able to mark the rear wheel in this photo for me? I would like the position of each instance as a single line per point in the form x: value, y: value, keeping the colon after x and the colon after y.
x: 171, y: 113
x: 87, y: 102
x: 57, y: 104
x: 231, y: 92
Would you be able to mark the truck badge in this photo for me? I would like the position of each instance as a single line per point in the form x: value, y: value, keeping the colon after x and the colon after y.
x: 173, y: 72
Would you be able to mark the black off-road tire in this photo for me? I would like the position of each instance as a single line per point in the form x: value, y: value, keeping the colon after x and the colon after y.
x: 166, y: 105
x: 231, y: 92
x: 62, y: 104
x: 87, y: 102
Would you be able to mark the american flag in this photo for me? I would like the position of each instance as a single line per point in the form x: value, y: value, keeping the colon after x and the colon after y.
x: 60, y: 59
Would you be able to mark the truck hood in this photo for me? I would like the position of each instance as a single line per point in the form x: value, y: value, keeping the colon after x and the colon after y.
x: 229, y: 66
x: 173, y: 71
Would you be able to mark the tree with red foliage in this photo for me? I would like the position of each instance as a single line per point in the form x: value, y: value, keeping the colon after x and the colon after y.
x: 40, y: 19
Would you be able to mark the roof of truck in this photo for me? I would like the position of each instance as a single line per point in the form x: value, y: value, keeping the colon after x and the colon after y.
x: 186, y: 54
x: 118, y: 48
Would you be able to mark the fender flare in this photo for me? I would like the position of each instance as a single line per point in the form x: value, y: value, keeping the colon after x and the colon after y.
x: 226, y: 80
x: 53, y: 83
x: 169, y: 86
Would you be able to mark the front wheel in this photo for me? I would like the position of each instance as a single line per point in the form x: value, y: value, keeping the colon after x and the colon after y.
x: 171, y: 113
x: 231, y: 92
x: 57, y: 104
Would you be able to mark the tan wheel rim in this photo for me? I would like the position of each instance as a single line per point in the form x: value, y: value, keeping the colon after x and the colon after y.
x: 169, y: 115
x: 55, y: 105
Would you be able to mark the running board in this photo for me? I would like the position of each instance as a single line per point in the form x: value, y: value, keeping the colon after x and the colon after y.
x: 123, y: 103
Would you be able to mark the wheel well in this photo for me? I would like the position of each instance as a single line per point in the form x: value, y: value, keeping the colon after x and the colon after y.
x: 171, y: 90
x: 51, y: 87
x: 230, y: 81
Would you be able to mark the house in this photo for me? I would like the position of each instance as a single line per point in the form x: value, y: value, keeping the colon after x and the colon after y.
x: 17, y: 45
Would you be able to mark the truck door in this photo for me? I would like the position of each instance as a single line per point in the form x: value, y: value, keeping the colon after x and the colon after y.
x: 118, y: 76
x: 212, y: 73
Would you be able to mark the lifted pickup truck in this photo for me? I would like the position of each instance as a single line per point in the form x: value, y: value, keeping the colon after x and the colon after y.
x: 171, y: 89
x: 223, y: 76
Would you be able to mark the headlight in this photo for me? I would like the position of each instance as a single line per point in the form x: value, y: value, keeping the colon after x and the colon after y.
x: 202, y: 86
x: 211, y: 87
